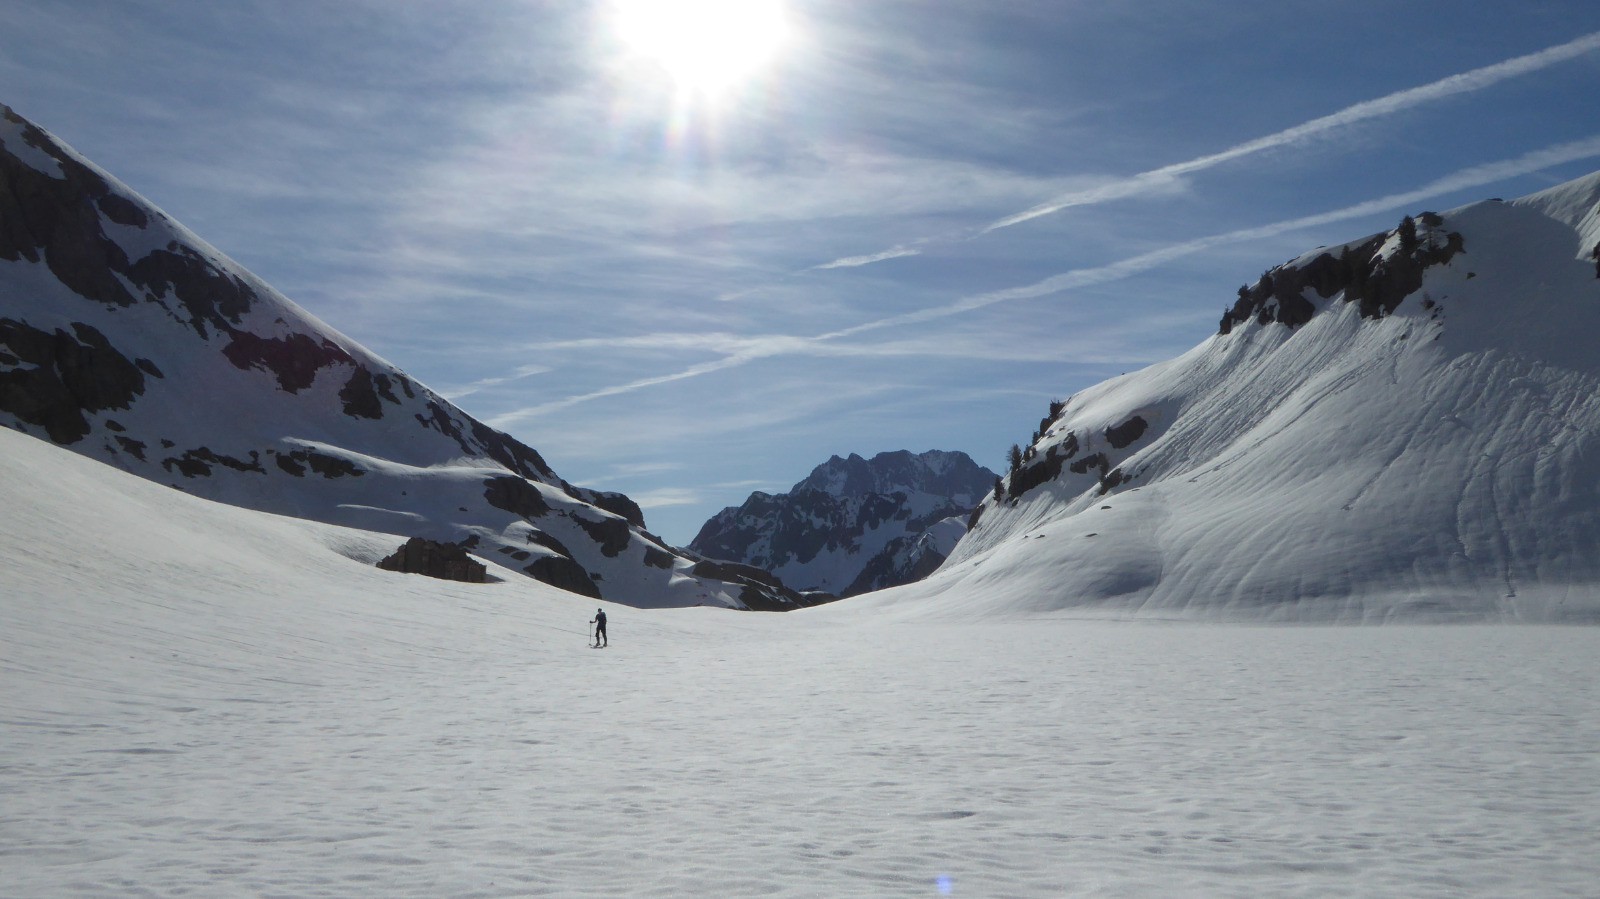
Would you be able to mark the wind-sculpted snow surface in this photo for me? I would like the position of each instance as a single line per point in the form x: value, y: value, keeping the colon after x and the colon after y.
x: 854, y: 525
x: 130, y: 340
x: 219, y: 702
x: 1406, y: 426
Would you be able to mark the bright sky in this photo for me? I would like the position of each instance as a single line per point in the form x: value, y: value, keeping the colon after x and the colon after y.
x: 692, y: 249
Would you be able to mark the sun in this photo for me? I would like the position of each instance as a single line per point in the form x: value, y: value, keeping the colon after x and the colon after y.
x: 707, y: 47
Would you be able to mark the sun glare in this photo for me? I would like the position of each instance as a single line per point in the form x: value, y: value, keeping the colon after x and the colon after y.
x: 706, y: 47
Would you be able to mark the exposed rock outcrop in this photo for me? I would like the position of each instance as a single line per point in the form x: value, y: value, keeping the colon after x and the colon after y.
x: 1376, y: 272
x: 446, y: 561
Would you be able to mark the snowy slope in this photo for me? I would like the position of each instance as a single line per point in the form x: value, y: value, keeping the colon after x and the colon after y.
x: 853, y: 524
x: 220, y: 702
x: 127, y: 338
x: 1379, y: 431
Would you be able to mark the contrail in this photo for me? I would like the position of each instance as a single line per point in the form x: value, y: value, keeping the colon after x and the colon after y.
x: 1474, y: 176
x: 459, y: 393
x: 510, y: 418
x: 1477, y: 79
x: 855, y: 261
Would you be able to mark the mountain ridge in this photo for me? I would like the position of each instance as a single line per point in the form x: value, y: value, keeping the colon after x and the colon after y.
x: 127, y: 338
x: 1411, y: 431
x: 853, y: 525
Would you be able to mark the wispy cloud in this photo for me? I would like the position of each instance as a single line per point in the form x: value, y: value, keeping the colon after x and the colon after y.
x: 856, y: 261
x: 509, y: 419
x: 635, y: 469
x: 1169, y: 178
x: 1465, y: 82
x: 1475, y: 176
x: 965, y: 345
x: 663, y: 497
x: 527, y: 371
x: 742, y: 350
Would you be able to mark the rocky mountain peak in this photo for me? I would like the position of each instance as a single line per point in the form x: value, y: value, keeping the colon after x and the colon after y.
x: 854, y: 524
x: 938, y: 472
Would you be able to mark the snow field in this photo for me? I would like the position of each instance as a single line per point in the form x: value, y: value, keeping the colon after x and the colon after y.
x: 1088, y: 759
x: 217, y: 702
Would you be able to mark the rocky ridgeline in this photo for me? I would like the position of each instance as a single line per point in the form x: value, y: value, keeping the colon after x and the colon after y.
x: 1376, y: 273
x: 853, y: 525
x: 128, y: 339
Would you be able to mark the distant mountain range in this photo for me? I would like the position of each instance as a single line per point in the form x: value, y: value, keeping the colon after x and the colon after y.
x: 1407, y: 425
x: 128, y: 339
x: 854, y: 525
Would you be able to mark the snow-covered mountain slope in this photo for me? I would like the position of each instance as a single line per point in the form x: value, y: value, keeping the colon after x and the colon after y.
x: 854, y: 525
x: 213, y: 701
x: 1406, y: 425
x: 128, y: 339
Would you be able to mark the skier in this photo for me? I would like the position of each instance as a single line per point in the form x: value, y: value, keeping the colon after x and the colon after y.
x: 599, y: 623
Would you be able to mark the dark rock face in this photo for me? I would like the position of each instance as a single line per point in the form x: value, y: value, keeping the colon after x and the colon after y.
x: 616, y: 503
x: 762, y: 592
x: 207, y: 295
x: 799, y: 526
x: 612, y: 534
x: 198, y: 462
x: 1123, y: 435
x: 134, y: 448
x: 1061, y: 456
x: 905, y: 560
x: 517, y: 496
x: 360, y: 395
x: 297, y: 461
x: 537, y: 537
x: 59, y: 378
x: 1041, y: 471
x: 563, y: 573
x: 723, y: 538
x: 446, y: 561
x: 58, y: 220
x: 826, y: 519
x: 293, y: 360
x: 1377, y: 282
x: 935, y: 472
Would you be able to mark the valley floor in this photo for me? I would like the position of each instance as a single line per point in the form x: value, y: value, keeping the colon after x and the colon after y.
x: 465, y: 742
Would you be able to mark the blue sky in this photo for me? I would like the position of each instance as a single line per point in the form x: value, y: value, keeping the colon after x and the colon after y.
x: 911, y: 228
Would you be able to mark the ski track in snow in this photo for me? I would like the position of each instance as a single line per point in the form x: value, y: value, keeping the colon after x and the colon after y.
x: 470, y: 750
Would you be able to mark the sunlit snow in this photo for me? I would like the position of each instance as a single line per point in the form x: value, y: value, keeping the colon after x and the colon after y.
x: 203, y: 700
x: 1438, y: 461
